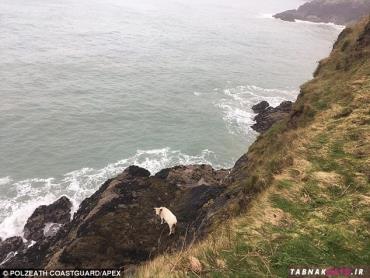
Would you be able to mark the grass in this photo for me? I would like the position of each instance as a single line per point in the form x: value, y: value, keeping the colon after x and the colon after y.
x: 308, y: 179
x: 285, y: 184
x: 296, y: 210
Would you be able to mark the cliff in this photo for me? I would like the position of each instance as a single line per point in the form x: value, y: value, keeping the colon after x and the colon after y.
x: 116, y: 227
x: 299, y: 196
x: 341, y: 12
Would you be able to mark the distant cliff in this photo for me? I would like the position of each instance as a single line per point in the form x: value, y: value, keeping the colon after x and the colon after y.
x: 342, y: 12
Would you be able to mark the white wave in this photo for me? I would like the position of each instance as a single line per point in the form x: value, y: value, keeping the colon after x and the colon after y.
x: 330, y: 24
x: 236, y: 105
x: 31, y: 243
x: 17, y: 211
x: 50, y: 229
x: 5, y: 180
x: 82, y: 183
x: 264, y: 15
x: 8, y: 257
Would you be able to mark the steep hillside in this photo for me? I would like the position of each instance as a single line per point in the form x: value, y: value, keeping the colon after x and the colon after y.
x: 341, y: 12
x: 312, y: 170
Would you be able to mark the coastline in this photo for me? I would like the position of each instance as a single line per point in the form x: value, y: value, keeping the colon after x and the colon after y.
x: 110, y: 227
x: 331, y: 24
x: 81, y: 183
x: 196, y: 180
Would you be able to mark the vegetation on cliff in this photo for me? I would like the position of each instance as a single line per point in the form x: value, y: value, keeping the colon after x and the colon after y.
x: 312, y: 170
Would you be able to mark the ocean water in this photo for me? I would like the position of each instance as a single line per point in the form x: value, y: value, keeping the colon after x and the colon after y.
x: 88, y: 87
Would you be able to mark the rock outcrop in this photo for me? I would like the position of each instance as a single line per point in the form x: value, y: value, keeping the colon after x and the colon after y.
x: 192, y: 175
x: 12, y: 244
x: 268, y: 115
x: 58, y: 212
x: 40, y: 231
x: 116, y: 227
x: 261, y: 106
x: 342, y: 12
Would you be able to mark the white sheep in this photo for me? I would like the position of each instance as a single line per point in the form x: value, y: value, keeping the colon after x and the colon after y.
x: 166, y: 215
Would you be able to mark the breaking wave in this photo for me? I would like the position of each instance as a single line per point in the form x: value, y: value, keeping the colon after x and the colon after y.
x: 330, y: 24
x: 5, y: 180
x: 236, y: 105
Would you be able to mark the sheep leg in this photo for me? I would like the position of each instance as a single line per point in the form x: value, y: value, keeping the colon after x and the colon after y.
x: 170, y: 229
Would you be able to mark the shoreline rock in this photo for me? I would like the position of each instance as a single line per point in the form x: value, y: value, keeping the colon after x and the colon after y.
x: 58, y: 212
x: 116, y: 227
x: 11, y: 244
x: 260, y: 107
x: 341, y: 12
x: 192, y: 175
x: 267, y: 115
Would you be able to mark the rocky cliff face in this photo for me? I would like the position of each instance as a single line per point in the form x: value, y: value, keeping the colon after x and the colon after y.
x: 44, y: 218
x: 342, y: 12
x: 116, y: 227
x: 268, y: 115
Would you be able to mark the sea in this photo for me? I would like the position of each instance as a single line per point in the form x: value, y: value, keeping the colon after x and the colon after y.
x: 89, y: 87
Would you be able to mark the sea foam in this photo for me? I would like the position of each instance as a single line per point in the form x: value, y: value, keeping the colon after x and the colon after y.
x: 5, y: 180
x: 236, y: 104
x: 330, y: 24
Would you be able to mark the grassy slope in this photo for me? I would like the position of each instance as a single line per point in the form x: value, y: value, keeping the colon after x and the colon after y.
x: 312, y: 172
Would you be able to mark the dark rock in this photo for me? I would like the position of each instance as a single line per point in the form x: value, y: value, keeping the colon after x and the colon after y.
x: 12, y: 244
x: 58, y: 212
x: 192, y: 175
x: 285, y: 106
x: 189, y: 206
x: 137, y: 171
x: 261, y: 106
x: 111, y: 235
x: 289, y: 15
x: 117, y: 225
x: 341, y: 12
x: 31, y: 256
x: 269, y: 116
